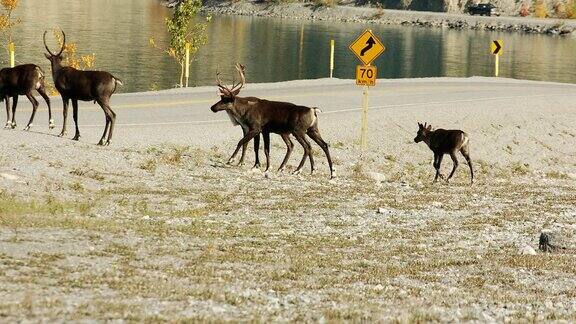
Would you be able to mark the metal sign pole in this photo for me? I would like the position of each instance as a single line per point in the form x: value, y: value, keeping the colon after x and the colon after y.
x: 364, y: 126
x: 496, y: 67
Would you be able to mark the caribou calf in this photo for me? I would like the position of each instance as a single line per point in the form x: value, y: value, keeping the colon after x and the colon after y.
x: 443, y: 141
x: 97, y: 86
x: 264, y: 116
x: 23, y: 80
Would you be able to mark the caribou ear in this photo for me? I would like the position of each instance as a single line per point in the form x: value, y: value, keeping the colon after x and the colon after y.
x: 429, y: 127
x: 235, y: 92
x: 420, y: 126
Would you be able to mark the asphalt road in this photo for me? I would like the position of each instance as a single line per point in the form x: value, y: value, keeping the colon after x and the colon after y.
x: 182, y: 116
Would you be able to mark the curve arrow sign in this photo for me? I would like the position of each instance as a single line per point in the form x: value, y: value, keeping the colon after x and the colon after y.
x: 369, y: 44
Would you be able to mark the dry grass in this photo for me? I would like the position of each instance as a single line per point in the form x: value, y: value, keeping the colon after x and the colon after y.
x: 237, y: 246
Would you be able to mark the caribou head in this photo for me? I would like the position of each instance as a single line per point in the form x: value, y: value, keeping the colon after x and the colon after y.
x: 423, y: 132
x: 55, y: 59
x: 228, y: 95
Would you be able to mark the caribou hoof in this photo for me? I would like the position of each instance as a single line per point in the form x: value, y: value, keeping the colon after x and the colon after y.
x: 27, y: 128
x: 76, y: 137
x: 8, y: 125
x: 62, y: 134
x: 296, y: 172
x: 256, y: 166
x: 14, y: 125
x: 51, y: 124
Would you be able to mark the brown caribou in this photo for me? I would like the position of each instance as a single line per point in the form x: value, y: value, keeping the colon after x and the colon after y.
x: 445, y: 141
x: 73, y: 84
x: 265, y: 116
x: 23, y: 80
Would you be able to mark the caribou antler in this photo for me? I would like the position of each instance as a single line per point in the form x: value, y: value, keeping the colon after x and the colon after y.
x: 240, y: 68
x: 235, y: 87
x: 223, y: 89
x: 63, y: 43
x: 46, y: 45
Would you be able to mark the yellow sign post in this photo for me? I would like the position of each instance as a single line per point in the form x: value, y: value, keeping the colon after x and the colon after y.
x: 187, y: 69
x: 496, y: 50
x: 11, y: 50
x: 331, y: 58
x: 367, y: 47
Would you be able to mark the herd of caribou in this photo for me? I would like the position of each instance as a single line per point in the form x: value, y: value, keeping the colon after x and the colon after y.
x: 255, y: 116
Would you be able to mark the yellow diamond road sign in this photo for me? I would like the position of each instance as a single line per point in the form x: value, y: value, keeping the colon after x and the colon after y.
x: 367, y: 47
x: 496, y: 47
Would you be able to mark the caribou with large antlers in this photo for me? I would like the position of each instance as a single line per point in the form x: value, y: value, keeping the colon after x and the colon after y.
x: 265, y: 116
x: 23, y: 80
x: 73, y: 84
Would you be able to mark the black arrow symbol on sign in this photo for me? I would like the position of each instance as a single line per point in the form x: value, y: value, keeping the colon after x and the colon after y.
x: 498, y: 47
x: 369, y: 43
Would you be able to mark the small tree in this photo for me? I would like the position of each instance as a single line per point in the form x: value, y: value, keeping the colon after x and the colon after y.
x: 7, y: 22
x: 182, y: 31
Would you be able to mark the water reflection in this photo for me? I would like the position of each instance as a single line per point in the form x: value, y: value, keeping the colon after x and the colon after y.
x: 276, y: 50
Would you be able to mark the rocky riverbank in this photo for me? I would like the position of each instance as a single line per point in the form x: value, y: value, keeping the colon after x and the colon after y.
x: 364, y: 14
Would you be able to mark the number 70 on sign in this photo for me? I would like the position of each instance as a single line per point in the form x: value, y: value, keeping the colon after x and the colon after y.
x: 366, y: 75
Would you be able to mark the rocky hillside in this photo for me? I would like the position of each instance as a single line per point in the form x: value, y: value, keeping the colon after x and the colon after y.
x: 539, y: 8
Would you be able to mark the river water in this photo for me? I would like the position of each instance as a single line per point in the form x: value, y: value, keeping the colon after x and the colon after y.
x: 118, y: 33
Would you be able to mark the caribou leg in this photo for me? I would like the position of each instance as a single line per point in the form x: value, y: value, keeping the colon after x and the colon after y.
x: 437, y: 162
x: 8, y: 113
x: 256, y: 150
x: 455, y: 161
x: 289, y: 147
x: 307, y: 151
x: 65, y: 102
x: 266, y: 136
x: 465, y: 151
x: 14, y: 104
x: 112, y: 116
x: 247, y: 138
x: 106, y: 126
x: 34, y: 108
x: 42, y: 91
x: 244, y: 147
x: 314, y: 134
x: 75, y: 116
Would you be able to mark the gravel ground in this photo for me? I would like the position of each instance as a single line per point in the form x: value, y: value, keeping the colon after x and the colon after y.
x: 370, y: 15
x: 158, y: 227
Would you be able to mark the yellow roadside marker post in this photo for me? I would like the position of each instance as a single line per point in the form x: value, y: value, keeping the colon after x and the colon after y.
x: 496, y: 50
x: 187, y: 70
x: 11, y: 48
x: 331, y: 58
x: 367, y: 47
